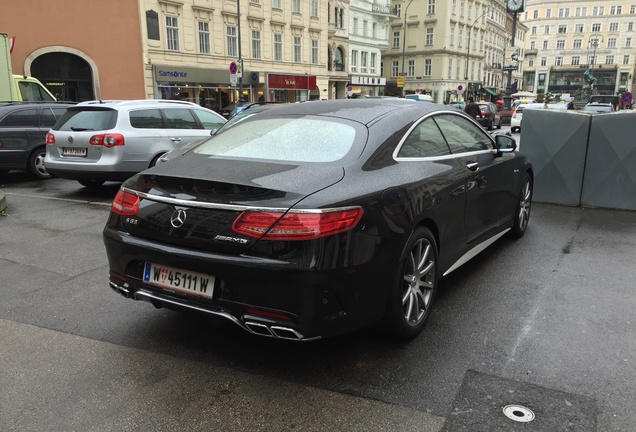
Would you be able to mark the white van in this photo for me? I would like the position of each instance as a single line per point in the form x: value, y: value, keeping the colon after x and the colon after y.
x: 419, y: 97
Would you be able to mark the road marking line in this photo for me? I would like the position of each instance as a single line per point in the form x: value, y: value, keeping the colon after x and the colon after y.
x: 60, y: 199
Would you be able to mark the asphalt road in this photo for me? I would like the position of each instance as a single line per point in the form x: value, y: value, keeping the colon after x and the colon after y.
x: 545, y: 322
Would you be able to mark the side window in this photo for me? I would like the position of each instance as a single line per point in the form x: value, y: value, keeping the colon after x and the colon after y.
x: 31, y: 91
x: 462, y: 135
x: 146, y: 119
x: 180, y: 118
x: 22, y: 118
x: 50, y: 115
x: 209, y: 120
x: 425, y: 140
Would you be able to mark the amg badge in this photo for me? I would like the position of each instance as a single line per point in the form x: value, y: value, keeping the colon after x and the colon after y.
x: 230, y: 239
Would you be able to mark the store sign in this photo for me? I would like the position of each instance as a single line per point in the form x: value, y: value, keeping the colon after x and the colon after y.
x: 366, y: 80
x: 172, y: 73
x: 291, y: 82
x: 384, y: 8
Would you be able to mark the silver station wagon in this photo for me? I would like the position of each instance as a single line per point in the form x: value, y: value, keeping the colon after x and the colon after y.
x: 100, y: 141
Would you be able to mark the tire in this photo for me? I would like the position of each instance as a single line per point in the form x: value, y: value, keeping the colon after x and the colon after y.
x: 522, y: 210
x: 411, y: 296
x: 499, y: 125
x: 36, y: 164
x: 91, y: 183
x: 154, y: 160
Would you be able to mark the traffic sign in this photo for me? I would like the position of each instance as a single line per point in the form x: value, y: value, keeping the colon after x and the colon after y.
x: 460, y: 88
x: 233, y: 68
x: 510, y: 68
x: 627, y: 97
x: 233, y: 80
x: 400, y: 81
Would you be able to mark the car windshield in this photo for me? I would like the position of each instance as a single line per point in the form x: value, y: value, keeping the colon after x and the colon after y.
x: 283, y: 139
x: 86, y: 120
x: 484, y: 107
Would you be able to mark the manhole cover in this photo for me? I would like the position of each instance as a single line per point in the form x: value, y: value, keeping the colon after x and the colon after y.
x: 518, y: 413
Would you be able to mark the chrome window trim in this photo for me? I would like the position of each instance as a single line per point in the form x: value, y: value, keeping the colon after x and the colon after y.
x: 437, y: 158
x: 232, y: 207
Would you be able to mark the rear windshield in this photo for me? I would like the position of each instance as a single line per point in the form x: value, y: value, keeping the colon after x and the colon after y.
x: 86, y: 120
x: 484, y: 107
x: 283, y: 139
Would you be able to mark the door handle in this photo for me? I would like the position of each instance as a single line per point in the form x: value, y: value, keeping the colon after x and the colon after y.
x: 176, y: 139
x: 473, y: 166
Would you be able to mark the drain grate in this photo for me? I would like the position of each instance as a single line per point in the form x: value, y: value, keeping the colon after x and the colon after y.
x: 518, y: 413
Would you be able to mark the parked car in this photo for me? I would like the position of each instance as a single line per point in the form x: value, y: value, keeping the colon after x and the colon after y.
x: 599, y: 107
x: 316, y: 219
x: 419, y: 97
x: 517, y: 115
x: 23, y: 129
x: 490, y: 117
x: 100, y: 141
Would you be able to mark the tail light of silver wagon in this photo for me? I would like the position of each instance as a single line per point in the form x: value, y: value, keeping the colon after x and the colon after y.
x: 107, y: 140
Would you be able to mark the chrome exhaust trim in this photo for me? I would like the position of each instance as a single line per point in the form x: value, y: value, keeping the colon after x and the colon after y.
x: 120, y: 290
x: 256, y: 328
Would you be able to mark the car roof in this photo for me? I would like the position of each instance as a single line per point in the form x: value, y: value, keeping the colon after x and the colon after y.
x: 363, y: 111
x: 115, y: 104
x: 13, y: 105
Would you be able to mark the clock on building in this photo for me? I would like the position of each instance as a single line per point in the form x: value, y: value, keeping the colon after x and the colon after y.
x: 515, y: 6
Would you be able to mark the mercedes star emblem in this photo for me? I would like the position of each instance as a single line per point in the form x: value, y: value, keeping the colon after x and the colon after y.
x: 178, y: 218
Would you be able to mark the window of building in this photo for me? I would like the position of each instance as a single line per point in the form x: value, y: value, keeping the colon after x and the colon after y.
x: 546, y: 29
x: 365, y: 28
x: 531, y: 63
x: 314, y: 8
x: 611, y: 42
x: 374, y: 30
x: 596, y: 27
x: 609, y: 59
x: 461, y: 38
x: 363, y: 61
x: 431, y: 7
x: 297, y: 49
x: 563, y: 28
x: 429, y: 36
x: 354, y: 61
x: 450, y: 68
x: 256, y: 44
x: 548, y: 13
x: 626, y: 59
x: 598, y: 10
x: 628, y: 42
x: 255, y: 1
x: 560, y: 44
x: 410, y: 70
x: 545, y: 44
x: 558, y: 61
x: 632, y: 9
x: 232, y: 50
x: 278, y: 47
x: 204, y: 37
x: 616, y: 10
x: 395, y: 68
x: 533, y: 45
x: 577, y: 43
x: 172, y: 33
x: 533, y: 30
x: 544, y: 61
x: 396, y: 39
x: 314, y: 51
x: 296, y: 6
x: 576, y: 60
x: 374, y: 61
x: 581, y: 11
x: 277, y: 4
x: 630, y: 26
x: 535, y: 14
x: 613, y: 27
x: 354, y: 26
x: 428, y: 67
x: 564, y: 12
x: 578, y: 28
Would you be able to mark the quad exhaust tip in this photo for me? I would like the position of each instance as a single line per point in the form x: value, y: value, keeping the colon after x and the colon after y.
x: 273, y: 331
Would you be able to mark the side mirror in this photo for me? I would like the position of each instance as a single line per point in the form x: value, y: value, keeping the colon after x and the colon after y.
x: 505, y: 143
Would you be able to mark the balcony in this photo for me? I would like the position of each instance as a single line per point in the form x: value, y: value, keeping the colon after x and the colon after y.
x: 531, y: 52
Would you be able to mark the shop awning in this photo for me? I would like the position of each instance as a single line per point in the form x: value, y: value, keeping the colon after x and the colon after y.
x: 490, y: 91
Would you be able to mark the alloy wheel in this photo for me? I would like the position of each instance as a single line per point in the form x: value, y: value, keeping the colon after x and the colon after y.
x: 419, y: 282
x: 525, y: 204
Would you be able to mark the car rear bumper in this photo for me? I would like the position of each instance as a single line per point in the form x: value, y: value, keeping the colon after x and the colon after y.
x: 264, y: 296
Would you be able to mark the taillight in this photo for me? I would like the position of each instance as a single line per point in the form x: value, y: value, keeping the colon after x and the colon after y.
x: 107, y: 140
x: 125, y: 204
x: 50, y: 138
x: 295, y: 226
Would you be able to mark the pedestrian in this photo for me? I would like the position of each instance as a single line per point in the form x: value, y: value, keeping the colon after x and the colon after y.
x: 472, y: 109
x: 571, y: 105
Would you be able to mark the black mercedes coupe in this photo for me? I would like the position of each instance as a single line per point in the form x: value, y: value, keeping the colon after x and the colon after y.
x: 315, y: 219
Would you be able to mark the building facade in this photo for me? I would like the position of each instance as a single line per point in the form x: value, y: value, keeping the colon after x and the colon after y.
x: 580, y: 47
x: 63, y: 46
x: 368, y: 37
x: 450, y: 49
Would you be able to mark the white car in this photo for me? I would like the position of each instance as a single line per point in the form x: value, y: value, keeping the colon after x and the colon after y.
x: 100, y: 141
x: 517, y: 115
x: 599, y: 107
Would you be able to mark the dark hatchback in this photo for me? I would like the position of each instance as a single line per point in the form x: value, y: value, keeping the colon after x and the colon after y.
x: 23, y: 129
x: 490, y: 117
x: 316, y: 219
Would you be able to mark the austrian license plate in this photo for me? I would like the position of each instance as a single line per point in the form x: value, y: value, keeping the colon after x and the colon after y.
x: 183, y: 281
x: 74, y: 151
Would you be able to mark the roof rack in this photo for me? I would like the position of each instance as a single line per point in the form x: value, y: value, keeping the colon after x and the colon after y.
x: 138, y: 101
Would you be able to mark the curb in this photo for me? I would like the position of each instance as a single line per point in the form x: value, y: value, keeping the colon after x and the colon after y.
x: 3, y: 201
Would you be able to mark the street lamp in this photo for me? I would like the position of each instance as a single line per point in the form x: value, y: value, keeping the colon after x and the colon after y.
x: 404, y: 44
x: 470, y: 28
